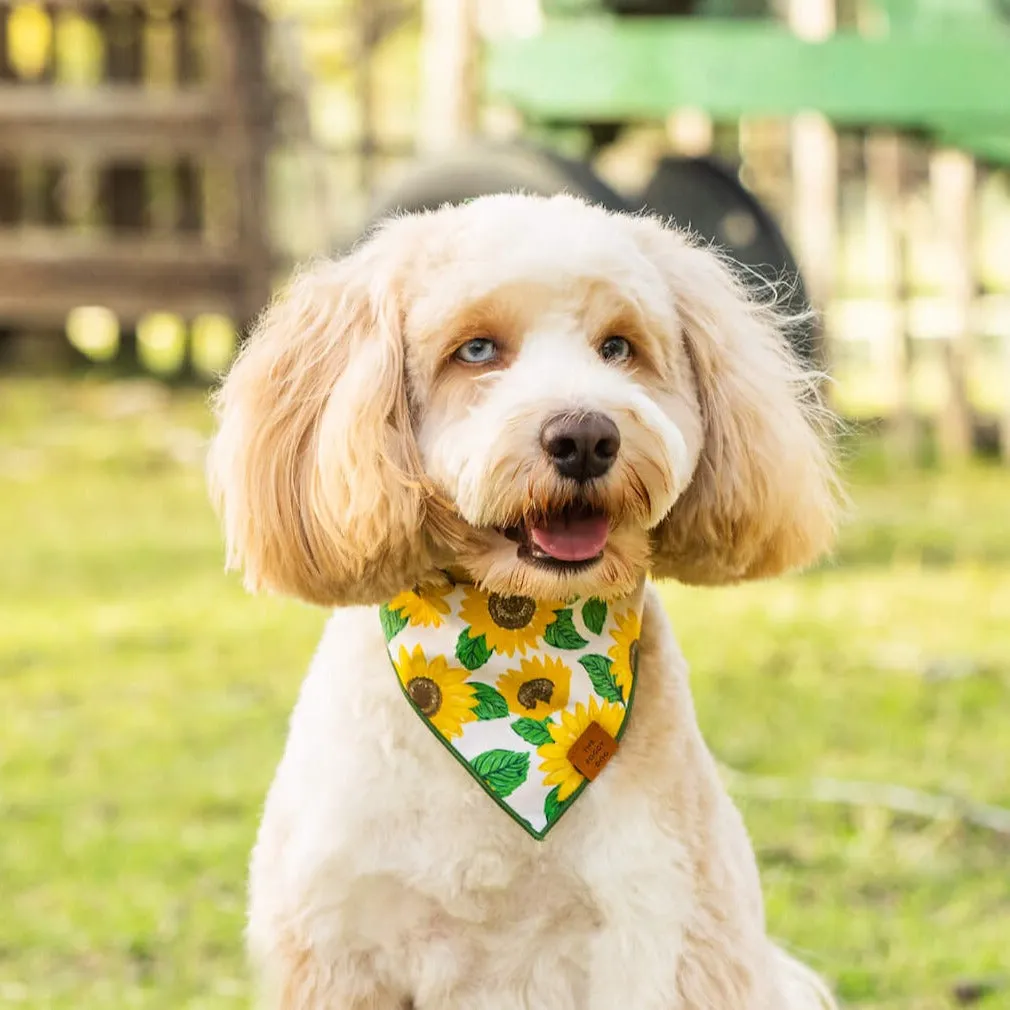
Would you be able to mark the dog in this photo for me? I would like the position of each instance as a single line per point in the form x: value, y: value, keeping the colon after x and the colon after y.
x: 476, y: 436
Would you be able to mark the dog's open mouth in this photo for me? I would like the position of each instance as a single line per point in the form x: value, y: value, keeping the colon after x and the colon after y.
x: 573, y: 537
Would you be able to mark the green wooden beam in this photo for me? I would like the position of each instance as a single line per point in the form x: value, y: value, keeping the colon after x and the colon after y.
x: 993, y: 147
x: 608, y: 69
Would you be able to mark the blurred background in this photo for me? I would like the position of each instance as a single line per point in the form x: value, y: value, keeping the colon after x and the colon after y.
x: 163, y: 165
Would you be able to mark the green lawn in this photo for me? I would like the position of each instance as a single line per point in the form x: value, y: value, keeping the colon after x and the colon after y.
x: 144, y: 699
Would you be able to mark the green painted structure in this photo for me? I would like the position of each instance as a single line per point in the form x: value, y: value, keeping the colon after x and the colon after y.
x: 938, y: 67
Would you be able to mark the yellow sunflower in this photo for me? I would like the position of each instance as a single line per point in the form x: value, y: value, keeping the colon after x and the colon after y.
x: 624, y: 651
x: 423, y: 606
x: 538, y: 688
x: 507, y: 622
x: 439, y: 691
x: 558, y: 770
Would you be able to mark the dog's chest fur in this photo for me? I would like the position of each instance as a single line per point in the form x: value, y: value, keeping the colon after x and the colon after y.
x: 385, y: 858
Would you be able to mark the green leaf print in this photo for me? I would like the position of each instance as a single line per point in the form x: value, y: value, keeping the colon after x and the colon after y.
x: 490, y: 704
x: 533, y: 730
x: 472, y: 652
x: 552, y: 808
x: 393, y: 622
x: 604, y: 683
x: 562, y: 634
x: 503, y: 770
x: 594, y: 614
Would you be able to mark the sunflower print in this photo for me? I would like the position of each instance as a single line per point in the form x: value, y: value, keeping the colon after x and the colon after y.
x: 558, y: 770
x: 423, y: 606
x: 508, y: 623
x: 624, y: 651
x: 539, y: 687
x: 508, y: 684
x: 439, y: 691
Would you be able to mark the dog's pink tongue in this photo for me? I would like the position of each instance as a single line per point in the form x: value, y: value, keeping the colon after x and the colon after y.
x: 577, y: 539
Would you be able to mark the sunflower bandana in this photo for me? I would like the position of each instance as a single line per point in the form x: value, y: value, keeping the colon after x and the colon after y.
x: 530, y: 696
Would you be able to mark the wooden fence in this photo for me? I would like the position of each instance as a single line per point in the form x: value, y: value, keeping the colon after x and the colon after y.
x: 133, y: 141
x: 135, y: 180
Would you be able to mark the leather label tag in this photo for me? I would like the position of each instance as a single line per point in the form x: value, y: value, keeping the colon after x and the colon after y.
x: 591, y: 752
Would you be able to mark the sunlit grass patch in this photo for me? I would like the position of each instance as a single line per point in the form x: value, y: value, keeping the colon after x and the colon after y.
x: 145, y: 698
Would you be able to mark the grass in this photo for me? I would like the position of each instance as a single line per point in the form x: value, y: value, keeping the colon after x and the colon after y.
x: 144, y: 699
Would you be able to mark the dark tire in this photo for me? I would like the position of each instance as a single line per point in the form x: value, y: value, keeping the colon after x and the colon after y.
x: 485, y: 170
x: 707, y: 197
x: 651, y: 8
x: 682, y: 8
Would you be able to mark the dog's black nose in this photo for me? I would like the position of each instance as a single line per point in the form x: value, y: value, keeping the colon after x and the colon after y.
x: 581, y: 446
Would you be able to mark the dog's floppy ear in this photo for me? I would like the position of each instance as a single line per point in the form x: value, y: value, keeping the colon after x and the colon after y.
x: 314, y: 467
x: 764, y: 497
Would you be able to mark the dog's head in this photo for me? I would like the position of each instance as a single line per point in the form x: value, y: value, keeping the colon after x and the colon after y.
x: 551, y: 397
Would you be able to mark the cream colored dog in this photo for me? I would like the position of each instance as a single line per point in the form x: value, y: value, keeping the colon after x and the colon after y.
x: 551, y: 401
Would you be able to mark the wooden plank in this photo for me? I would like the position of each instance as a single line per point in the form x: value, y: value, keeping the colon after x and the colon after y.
x: 189, y: 197
x: 815, y: 170
x: 110, y: 120
x: 611, y: 70
x: 952, y: 179
x: 367, y: 21
x: 10, y: 192
x: 123, y: 190
x: 239, y: 76
x: 45, y: 245
x: 886, y: 179
x: 44, y: 275
x: 77, y: 5
x: 10, y: 175
x: 6, y: 70
x: 188, y: 57
x: 449, y: 48
x: 690, y: 132
x: 187, y: 171
x: 1004, y: 418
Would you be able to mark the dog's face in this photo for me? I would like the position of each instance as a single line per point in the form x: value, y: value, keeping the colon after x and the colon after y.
x: 550, y: 397
x: 555, y: 406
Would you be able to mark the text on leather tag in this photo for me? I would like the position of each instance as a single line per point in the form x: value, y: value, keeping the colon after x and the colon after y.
x: 593, y: 749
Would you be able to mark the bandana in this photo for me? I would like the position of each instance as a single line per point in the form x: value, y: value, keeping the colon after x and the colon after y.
x: 530, y: 696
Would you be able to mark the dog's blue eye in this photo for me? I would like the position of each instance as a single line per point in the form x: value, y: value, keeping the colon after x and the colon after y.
x: 478, y: 351
x: 615, y: 349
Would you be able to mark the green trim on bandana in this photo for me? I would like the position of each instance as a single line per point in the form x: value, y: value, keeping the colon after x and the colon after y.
x: 507, y: 684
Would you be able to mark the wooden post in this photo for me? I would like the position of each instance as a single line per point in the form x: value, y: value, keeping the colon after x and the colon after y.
x: 188, y: 177
x: 124, y: 184
x: 239, y: 76
x: 885, y: 178
x: 6, y: 70
x: 1004, y: 419
x: 10, y: 176
x: 815, y: 169
x: 367, y: 37
x: 53, y: 173
x: 83, y: 194
x: 765, y: 165
x: 448, y: 85
x: 10, y: 193
x: 952, y: 181
x: 690, y: 132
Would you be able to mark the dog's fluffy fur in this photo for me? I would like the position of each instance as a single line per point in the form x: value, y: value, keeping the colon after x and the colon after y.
x: 356, y: 456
